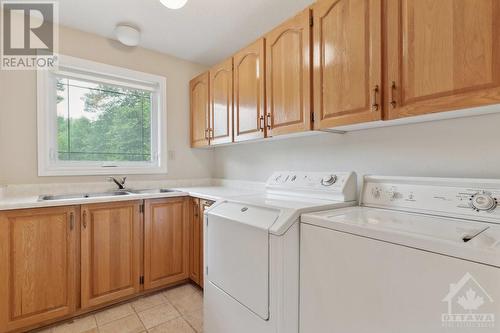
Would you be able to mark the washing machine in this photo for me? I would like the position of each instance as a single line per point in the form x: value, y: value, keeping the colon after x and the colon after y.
x: 418, y: 255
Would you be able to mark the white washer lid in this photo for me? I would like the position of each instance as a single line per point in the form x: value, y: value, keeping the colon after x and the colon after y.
x: 431, y: 233
x: 418, y: 225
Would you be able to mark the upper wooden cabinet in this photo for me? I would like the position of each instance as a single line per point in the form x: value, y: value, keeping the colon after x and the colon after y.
x: 110, y: 252
x: 37, y: 266
x: 347, y: 62
x: 249, y: 92
x: 288, y: 72
x: 166, y: 241
x: 441, y: 55
x: 221, y: 103
x: 199, y: 92
x: 358, y: 61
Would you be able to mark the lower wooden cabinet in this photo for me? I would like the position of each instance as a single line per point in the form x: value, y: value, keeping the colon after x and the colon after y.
x: 110, y: 252
x: 38, y: 266
x: 62, y: 261
x: 166, y: 241
x: 196, y: 253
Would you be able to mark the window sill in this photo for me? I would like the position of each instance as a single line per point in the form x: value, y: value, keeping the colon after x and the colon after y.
x: 96, y: 171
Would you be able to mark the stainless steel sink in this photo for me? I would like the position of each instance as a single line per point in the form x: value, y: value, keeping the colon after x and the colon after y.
x: 82, y: 195
x: 104, y: 194
x: 151, y: 191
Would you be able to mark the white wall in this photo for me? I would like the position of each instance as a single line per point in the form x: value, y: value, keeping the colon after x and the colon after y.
x: 466, y: 147
x: 18, y: 140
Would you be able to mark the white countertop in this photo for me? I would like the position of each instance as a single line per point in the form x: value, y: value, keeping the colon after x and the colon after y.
x: 214, y: 193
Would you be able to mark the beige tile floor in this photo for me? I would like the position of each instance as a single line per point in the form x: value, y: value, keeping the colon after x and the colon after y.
x: 176, y: 310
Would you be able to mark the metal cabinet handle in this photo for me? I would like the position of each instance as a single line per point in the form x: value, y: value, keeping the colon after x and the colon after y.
x: 196, y: 210
x: 206, y: 133
x: 393, y: 101
x: 84, y: 220
x: 71, y: 221
x: 261, y: 123
x: 269, y: 121
x: 374, y: 101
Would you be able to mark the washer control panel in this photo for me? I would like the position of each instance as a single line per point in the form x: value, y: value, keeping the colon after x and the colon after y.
x: 447, y: 197
x: 483, y: 201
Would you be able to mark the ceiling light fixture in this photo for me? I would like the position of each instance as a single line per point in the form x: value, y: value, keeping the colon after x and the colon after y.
x: 173, y: 4
x: 127, y: 34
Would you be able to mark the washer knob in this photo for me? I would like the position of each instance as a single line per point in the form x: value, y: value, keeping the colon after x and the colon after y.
x: 329, y: 180
x: 482, y: 201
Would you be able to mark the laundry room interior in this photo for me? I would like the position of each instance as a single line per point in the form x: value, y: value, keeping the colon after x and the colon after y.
x: 285, y: 166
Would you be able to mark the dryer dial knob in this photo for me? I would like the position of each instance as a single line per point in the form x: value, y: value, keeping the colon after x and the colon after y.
x: 329, y: 180
x: 376, y: 193
x: 483, y: 202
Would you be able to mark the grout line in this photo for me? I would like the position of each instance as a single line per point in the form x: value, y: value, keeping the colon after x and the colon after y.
x: 158, y: 305
x: 112, y: 321
x: 187, y: 321
x: 181, y: 314
x: 96, y: 326
x: 131, y: 314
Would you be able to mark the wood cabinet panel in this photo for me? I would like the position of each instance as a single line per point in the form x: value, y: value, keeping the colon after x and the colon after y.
x: 38, y: 266
x: 347, y: 62
x: 288, y: 62
x: 442, y: 55
x: 196, y: 253
x: 199, y: 92
x: 204, y: 205
x: 166, y: 241
x: 221, y: 103
x: 110, y: 252
x: 195, y: 248
x: 249, y: 92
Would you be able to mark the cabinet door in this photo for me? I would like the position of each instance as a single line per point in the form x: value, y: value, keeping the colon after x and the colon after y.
x: 288, y: 61
x: 110, y: 252
x: 442, y: 55
x: 166, y: 242
x: 199, y: 94
x: 221, y: 103
x: 249, y: 92
x: 37, y: 266
x: 347, y: 62
x: 195, y: 260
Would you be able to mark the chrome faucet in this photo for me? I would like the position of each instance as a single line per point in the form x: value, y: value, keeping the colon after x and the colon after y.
x: 120, y: 182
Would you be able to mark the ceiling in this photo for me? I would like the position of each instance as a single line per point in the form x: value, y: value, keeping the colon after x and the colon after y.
x: 204, y: 31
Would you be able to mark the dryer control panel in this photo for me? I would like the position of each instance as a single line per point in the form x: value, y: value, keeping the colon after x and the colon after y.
x: 322, y: 185
x: 468, y: 198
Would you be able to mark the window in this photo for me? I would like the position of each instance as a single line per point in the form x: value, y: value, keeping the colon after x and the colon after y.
x: 100, y: 119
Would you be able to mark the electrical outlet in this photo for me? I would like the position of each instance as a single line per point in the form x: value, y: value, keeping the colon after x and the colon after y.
x: 171, y: 155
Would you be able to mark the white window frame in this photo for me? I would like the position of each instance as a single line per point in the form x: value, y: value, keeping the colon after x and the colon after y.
x: 50, y: 165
